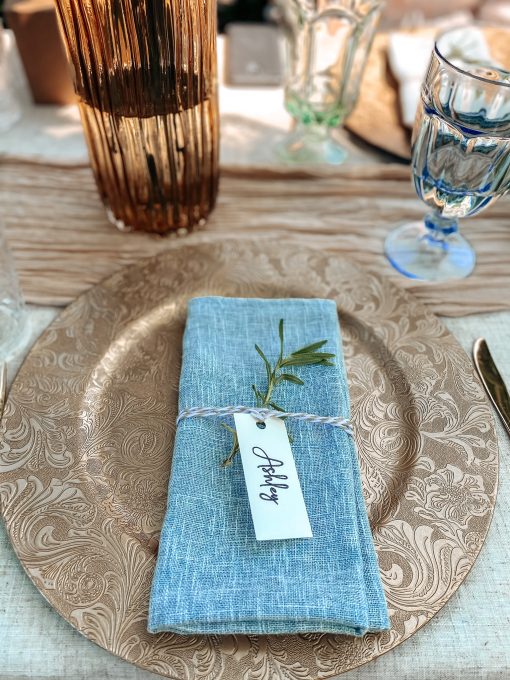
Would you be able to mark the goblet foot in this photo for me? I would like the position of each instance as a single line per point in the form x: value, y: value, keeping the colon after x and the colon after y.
x: 310, y: 145
x: 418, y: 252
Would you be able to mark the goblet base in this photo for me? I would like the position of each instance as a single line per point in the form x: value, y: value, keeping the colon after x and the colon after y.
x: 418, y: 252
x: 311, y: 146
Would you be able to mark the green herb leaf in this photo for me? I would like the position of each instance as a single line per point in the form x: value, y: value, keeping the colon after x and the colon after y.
x: 302, y: 360
x: 266, y: 363
x: 280, y: 333
x: 258, y: 396
x: 235, y: 446
x: 230, y: 458
x: 306, y: 356
x: 310, y: 348
x: 227, y: 427
x: 291, y: 378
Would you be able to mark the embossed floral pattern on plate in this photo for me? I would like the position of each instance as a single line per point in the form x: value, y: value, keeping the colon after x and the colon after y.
x: 86, y: 441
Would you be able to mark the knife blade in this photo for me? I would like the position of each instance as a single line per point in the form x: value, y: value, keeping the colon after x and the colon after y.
x: 3, y: 386
x: 492, y: 381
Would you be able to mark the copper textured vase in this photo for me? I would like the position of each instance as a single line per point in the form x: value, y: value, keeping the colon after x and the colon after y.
x: 145, y: 74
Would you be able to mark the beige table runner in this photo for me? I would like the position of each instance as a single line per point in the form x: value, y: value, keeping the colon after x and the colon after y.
x: 63, y: 242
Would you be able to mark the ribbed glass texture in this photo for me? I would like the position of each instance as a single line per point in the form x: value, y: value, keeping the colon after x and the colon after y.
x: 145, y: 74
x: 461, y: 139
x: 328, y: 43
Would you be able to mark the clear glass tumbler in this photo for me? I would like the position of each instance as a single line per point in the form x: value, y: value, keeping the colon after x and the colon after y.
x: 461, y: 156
x: 145, y: 74
x: 13, y: 322
x: 328, y: 42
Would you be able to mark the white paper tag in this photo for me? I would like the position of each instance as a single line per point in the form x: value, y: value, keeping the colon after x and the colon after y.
x: 276, y: 500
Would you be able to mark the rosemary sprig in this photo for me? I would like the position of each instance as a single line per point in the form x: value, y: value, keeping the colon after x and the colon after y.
x: 305, y: 356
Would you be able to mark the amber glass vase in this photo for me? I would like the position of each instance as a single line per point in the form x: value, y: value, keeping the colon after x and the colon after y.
x: 145, y: 74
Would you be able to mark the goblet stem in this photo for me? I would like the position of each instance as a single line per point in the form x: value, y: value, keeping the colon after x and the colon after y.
x: 440, y: 228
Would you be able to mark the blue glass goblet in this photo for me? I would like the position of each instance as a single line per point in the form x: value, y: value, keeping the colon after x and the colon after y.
x: 460, y: 159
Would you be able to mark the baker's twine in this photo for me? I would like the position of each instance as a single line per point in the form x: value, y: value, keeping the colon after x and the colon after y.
x: 263, y: 414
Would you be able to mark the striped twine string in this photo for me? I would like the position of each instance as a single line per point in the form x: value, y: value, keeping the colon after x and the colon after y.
x: 264, y: 413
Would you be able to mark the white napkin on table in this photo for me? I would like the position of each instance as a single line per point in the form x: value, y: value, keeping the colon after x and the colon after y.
x: 409, y: 55
x: 495, y: 12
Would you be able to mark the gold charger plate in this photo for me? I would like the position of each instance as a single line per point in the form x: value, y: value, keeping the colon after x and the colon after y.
x: 376, y: 118
x: 86, y: 441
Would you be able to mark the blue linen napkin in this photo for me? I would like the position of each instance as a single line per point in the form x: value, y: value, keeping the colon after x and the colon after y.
x: 212, y: 576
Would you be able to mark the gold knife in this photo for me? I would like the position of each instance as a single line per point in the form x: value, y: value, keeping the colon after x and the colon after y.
x: 492, y: 381
x: 3, y: 386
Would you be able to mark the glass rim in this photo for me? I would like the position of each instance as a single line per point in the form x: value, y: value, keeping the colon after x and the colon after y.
x: 440, y: 55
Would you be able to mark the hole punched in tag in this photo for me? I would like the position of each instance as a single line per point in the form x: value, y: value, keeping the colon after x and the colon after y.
x: 261, y: 425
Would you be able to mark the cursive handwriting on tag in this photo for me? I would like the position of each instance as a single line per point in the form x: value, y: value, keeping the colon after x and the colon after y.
x: 270, y: 475
x: 276, y: 500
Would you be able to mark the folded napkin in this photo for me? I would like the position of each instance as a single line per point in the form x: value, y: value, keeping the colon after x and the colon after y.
x: 212, y: 575
x: 409, y: 56
x: 495, y: 12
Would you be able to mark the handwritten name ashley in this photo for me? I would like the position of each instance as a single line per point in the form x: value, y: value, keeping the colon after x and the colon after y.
x: 268, y: 469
